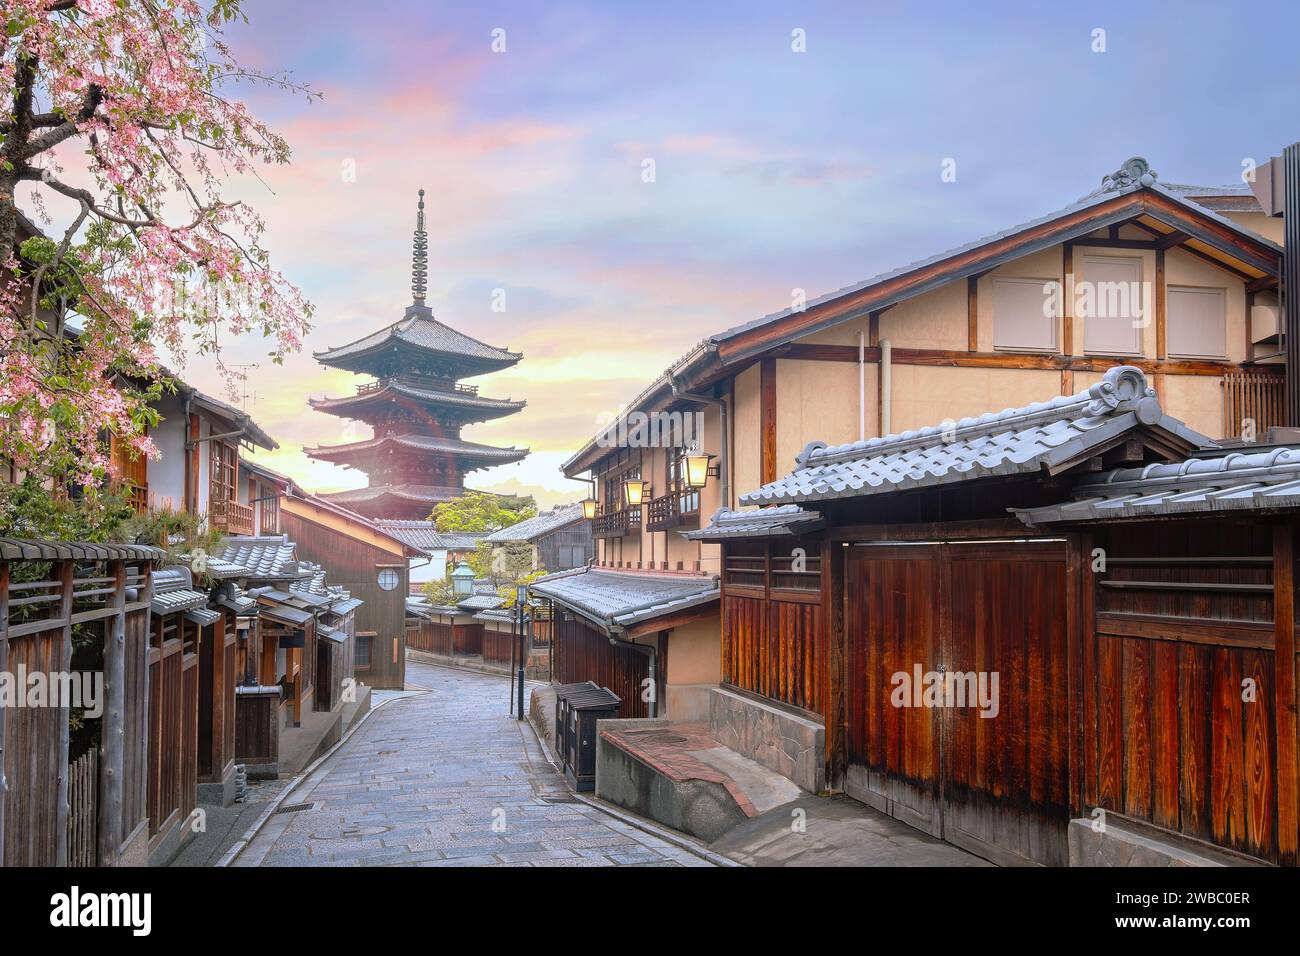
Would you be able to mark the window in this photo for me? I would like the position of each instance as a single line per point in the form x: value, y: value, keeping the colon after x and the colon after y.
x: 790, y: 569
x: 1197, y: 322
x: 131, y: 476
x: 225, y: 461
x: 1109, y: 298
x: 363, y: 650
x: 1025, y: 313
x: 388, y: 579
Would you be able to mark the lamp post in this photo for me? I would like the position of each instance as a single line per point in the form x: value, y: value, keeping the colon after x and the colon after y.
x: 521, y: 600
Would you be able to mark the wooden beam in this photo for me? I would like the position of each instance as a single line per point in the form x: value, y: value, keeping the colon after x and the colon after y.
x: 873, y: 329
x: 1067, y: 299
x: 1160, y: 300
x: 65, y: 577
x: 1231, y: 270
x: 1250, y: 337
x: 835, y: 600
x: 1175, y: 238
x: 113, y: 741
x: 1075, y: 622
x: 1262, y: 284
x: 767, y: 418
x: 972, y: 314
x: 1284, y: 659
x: 1118, y: 243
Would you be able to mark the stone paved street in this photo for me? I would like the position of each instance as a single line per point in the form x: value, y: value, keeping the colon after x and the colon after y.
x: 447, y: 778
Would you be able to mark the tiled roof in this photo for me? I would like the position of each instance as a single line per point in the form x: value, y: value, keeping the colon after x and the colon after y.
x: 480, y: 602
x: 420, y: 329
x: 220, y: 569
x: 268, y: 558
x: 539, y: 525
x: 1015, y: 441
x: 424, y: 443
x: 430, y: 396
x: 426, y: 494
x: 777, y: 521
x: 616, y: 599
x: 1238, y: 481
x: 16, y: 549
x: 416, y: 534
x: 345, y: 605
x: 202, y: 616
x: 232, y: 596
x: 504, y: 614
x: 173, y: 591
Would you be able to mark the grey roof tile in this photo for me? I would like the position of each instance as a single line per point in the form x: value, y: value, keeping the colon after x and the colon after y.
x: 539, y: 525
x: 1014, y: 441
x: 1236, y: 481
x: 267, y: 558
x: 773, y: 522
x: 420, y: 329
x: 615, y: 599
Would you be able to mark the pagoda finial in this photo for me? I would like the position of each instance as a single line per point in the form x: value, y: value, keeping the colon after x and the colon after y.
x: 420, y: 256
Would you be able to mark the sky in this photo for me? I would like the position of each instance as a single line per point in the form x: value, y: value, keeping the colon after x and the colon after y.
x: 774, y: 169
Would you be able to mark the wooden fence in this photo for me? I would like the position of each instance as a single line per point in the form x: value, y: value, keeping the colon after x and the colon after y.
x: 1252, y: 395
x: 47, y: 589
x: 83, y: 810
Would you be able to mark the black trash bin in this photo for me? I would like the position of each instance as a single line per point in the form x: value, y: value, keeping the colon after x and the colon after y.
x: 577, y: 708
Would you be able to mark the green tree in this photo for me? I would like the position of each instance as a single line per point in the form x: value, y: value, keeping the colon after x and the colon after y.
x: 478, y: 511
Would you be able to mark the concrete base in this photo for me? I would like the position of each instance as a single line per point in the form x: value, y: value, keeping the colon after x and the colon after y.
x: 219, y: 793
x: 792, y: 745
x: 1124, y: 843
x: 172, y: 842
x: 541, y: 711
x: 700, y: 808
x: 688, y: 702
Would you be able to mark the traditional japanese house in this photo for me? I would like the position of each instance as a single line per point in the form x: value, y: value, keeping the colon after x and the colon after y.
x: 66, y: 801
x: 179, y: 625
x: 1008, y: 622
x: 439, y: 551
x: 417, y: 406
x: 650, y: 638
x: 372, y: 564
x: 560, y: 539
x: 199, y: 439
x: 1179, y: 281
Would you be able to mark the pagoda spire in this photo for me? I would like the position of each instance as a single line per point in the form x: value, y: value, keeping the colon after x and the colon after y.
x: 420, y: 256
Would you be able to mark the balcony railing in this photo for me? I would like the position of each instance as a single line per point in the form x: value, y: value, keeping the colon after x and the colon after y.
x: 616, y: 524
x: 231, y: 517
x: 1254, y: 396
x: 673, y: 511
x: 429, y: 385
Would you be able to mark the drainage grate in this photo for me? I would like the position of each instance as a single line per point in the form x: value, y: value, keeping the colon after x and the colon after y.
x: 659, y: 737
x: 297, y: 807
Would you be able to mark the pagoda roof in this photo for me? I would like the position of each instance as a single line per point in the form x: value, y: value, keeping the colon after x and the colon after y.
x: 395, y: 392
x: 418, y: 332
x: 416, y: 494
x: 432, y: 444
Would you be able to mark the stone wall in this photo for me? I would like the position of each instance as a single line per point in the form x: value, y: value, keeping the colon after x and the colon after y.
x: 792, y: 745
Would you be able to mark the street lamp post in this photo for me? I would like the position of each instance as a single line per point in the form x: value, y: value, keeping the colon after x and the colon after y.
x: 521, y: 599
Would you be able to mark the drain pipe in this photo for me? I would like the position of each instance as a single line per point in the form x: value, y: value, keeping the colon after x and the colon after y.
x: 862, y: 385
x: 886, y: 385
x: 724, y: 472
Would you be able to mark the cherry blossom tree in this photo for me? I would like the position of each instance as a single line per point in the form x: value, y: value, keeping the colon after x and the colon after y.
x: 123, y: 108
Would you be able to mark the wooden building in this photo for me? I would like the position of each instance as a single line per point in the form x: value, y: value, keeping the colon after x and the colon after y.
x: 1009, y: 622
x: 417, y: 407
x: 649, y: 638
x: 372, y: 564
x: 560, y: 538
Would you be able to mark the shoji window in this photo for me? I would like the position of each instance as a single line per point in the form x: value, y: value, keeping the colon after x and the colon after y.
x: 1197, y: 322
x: 1025, y: 313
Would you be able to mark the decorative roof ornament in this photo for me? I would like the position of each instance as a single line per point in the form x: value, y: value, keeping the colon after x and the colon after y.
x: 420, y: 256
x: 1135, y: 172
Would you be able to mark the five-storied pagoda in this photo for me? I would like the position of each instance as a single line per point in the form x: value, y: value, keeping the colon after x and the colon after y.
x: 416, y: 406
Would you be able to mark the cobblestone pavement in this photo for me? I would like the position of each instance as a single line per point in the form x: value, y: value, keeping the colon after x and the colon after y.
x: 447, y: 778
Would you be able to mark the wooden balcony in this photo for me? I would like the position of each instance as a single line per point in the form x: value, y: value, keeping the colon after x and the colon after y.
x: 231, y: 517
x: 1252, y: 395
x: 616, y: 524
x: 677, y: 510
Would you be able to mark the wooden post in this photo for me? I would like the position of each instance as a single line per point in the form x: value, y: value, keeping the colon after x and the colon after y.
x: 146, y: 595
x: 4, y: 669
x: 113, y: 744
x: 834, y: 597
x: 767, y: 418
x: 66, y: 568
x: 1161, y: 299
x: 1285, y: 681
x: 972, y: 314
x: 1067, y: 299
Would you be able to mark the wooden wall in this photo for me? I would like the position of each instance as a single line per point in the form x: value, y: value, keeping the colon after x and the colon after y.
x: 774, y: 649
x: 1179, y: 679
x: 582, y: 653
x: 435, y: 637
x: 354, y: 565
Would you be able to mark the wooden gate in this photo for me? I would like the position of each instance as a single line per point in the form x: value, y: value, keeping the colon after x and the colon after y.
x: 950, y: 619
